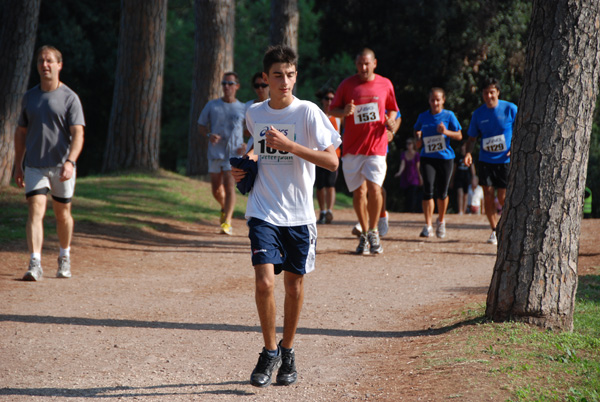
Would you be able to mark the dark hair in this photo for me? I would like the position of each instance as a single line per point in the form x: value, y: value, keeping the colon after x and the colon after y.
x: 255, y: 76
x: 56, y: 52
x: 279, y: 54
x: 232, y: 73
x: 490, y: 82
x: 437, y: 89
x: 324, y: 91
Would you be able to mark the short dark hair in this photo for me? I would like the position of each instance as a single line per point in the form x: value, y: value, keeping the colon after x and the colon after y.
x: 279, y: 54
x: 324, y: 91
x: 437, y: 89
x: 490, y: 82
x: 366, y: 52
x: 232, y: 73
x: 54, y: 50
x: 255, y: 76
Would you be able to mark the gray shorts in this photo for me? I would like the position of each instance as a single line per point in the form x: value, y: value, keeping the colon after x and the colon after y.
x: 47, y: 180
x: 218, y: 165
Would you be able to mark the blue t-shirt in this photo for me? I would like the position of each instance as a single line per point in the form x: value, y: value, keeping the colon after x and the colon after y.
x: 436, y: 145
x: 495, y: 126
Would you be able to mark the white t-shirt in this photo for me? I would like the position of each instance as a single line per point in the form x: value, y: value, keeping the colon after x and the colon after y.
x: 475, y: 197
x: 283, y: 191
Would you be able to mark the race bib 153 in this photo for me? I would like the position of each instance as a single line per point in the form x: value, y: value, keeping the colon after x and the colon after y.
x: 366, y: 113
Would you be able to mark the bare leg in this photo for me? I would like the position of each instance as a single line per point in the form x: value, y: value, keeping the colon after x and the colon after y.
x: 359, y: 201
x: 442, y: 207
x: 374, y: 202
x: 64, y: 223
x: 265, y: 303
x: 35, y: 225
x: 229, y: 189
x: 218, y: 190
x: 294, y: 297
x: 490, y: 206
x: 428, y: 207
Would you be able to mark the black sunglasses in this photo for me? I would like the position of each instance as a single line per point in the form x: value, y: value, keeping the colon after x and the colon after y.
x: 329, y: 98
x: 263, y: 85
x: 228, y: 82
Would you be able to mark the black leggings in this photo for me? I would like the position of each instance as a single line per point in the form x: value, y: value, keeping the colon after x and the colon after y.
x: 436, y: 177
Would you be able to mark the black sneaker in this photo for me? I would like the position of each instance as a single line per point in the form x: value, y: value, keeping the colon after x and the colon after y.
x: 287, y: 374
x: 322, y: 218
x: 261, y: 376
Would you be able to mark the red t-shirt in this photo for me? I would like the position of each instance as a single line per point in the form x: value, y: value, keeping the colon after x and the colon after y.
x: 364, y: 132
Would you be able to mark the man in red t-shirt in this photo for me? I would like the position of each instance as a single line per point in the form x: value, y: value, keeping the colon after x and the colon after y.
x: 363, y: 100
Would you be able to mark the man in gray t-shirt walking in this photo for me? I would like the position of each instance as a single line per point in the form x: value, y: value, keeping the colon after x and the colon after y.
x: 221, y: 121
x: 48, y: 141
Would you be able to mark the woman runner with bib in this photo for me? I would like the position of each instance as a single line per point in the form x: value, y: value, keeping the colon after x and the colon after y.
x: 434, y: 129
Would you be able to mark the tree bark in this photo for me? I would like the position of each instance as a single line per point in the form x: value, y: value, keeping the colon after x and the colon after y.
x: 134, y: 127
x: 213, y: 56
x: 19, y: 21
x: 284, y: 23
x: 535, y: 275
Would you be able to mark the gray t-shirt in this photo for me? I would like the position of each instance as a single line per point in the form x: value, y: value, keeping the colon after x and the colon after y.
x: 225, y: 119
x: 48, y: 117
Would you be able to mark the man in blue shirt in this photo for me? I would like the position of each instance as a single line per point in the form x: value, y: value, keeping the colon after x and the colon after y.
x: 493, y: 122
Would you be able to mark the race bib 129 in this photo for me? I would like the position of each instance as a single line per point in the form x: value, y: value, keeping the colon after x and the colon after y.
x: 270, y: 155
x: 366, y: 113
x: 494, y: 144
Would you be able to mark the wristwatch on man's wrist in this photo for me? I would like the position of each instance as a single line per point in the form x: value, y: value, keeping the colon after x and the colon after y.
x: 71, y: 162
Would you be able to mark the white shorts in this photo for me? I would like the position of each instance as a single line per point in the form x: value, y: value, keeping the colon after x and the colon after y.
x: 44, y: 180
x: 358, y: 168
x: 218, y: 165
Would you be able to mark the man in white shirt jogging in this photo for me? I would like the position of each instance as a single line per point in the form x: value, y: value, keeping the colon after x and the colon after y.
x: 290, y: 137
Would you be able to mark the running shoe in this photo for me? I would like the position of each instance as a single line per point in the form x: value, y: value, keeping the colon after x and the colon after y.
x: 322, y: 218
x: 222, y: 217
x: 440, y: 230
x: 261, y: 376
x: 383, y: 225
x: 287, y: 374
x: 493, y: 239
x: 427, y: 232
x: 357, y: 230
x: 226, y: 228
x: 328, y: 217
x: 363, y: 245
x: 64, y: 267
x: 35, y: 271
x: 374, y: 244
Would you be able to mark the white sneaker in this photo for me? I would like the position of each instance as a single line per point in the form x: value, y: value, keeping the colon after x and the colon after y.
x: 493, y: 239
x: 427, y: 232
x: 34, y: 272
x: 440, y: 230
x: 357, y: 230
x: 383, y: 225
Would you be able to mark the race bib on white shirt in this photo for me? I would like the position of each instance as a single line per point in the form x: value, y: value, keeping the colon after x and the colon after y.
x: 366, y: 113
x: 495, y: 144
x: 267, y: 154
x: 434, y: 143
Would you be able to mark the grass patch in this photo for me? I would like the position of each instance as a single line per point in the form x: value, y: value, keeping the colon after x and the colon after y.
x: 530, y: 363
x: 127, y: 200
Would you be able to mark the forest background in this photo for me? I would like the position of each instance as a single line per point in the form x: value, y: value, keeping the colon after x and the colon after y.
x: 418, y: 44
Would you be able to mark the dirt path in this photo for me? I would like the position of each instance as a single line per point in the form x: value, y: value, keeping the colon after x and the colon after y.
x: 169, y: 315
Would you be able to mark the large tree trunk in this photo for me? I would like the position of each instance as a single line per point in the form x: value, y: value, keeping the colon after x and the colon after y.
x: 284, y: 23
x: 213, y: 56
x: 134, y: 127
x: 18, y: 27
x: 535, y: 275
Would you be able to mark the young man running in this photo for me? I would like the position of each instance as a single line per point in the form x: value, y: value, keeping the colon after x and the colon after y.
x: 290, y: 137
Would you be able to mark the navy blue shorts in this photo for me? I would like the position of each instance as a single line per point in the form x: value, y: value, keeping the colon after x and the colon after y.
x: 493, y: 174
x: 291, y: 249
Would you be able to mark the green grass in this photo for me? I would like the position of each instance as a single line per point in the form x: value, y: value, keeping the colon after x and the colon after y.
x: 129, y: 200
x: 533, y: 364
